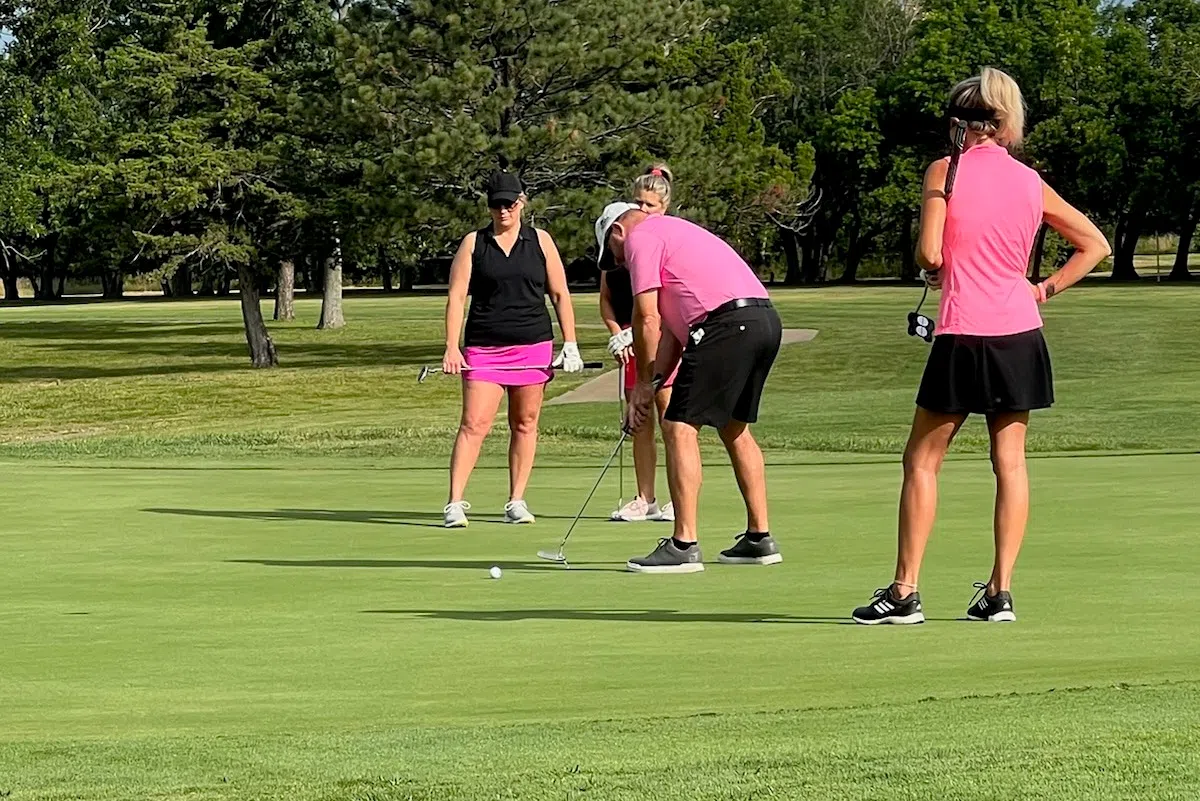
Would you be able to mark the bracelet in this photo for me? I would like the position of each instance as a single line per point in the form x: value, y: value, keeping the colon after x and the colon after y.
x: 1042, y: 295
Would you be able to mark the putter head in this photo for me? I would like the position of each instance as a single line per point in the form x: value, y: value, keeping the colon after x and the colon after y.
x: 423, y: 374
x: 553, y: 556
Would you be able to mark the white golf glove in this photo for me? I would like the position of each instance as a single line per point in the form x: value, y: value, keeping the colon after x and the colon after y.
x: 569, y: 360
x: 619, y: 342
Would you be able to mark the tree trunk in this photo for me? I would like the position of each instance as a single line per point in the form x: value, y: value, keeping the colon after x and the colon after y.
x: 1129, y: 230
x: 113, y: 284
x: 43, y: 287
x: 331, y: 302
x: 1039, y: 249
x: 181, y: 283
x: 407, y: 273
x: 791, y: 253
x: 854, y: 257
x: 812, y: 261
x: 285, y: 292
x: 262, y: 349
x: 385, y: 271
x: 62, y: 285
x: 313, y: 275
x: 11, y: 292
x: 1180, y: 271
x: 908, y: 253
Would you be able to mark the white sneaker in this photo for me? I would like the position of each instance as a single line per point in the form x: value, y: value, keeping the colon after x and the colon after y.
x: 636, y: 511
x: 667, y: 515
x: 518, y: 512
x: 455, y: 514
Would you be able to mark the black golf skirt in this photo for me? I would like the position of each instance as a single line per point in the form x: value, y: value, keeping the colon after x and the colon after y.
x: 983, y: 375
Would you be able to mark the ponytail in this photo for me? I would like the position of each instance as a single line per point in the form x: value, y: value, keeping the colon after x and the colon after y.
x: 657, y: 179
x: 989, y: 104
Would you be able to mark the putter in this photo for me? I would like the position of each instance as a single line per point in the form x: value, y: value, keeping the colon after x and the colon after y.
x: 430, y: 369
x: 558, y: 556
x: 621, y: 412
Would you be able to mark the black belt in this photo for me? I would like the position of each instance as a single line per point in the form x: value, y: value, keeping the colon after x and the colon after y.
x: 729, y: 306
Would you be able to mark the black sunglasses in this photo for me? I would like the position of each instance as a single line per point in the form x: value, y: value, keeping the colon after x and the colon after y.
x: 501, y: 204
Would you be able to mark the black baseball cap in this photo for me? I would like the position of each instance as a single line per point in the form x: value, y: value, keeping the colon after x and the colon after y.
x: 503, y: 186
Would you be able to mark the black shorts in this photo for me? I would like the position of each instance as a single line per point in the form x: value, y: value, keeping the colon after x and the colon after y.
x: 724, y: 367
x: 983, y: 375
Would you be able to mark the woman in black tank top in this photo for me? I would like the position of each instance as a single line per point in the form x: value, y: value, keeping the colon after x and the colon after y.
x: 507, y: 269
x: 651, y: 193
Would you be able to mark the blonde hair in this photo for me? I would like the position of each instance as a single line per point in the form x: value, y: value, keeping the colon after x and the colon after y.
x: 657, y: 179
x: 994, y: 91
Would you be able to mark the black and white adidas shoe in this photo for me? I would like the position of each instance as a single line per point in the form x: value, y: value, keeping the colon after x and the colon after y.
x: 886, y: 608
x: 996, y: 608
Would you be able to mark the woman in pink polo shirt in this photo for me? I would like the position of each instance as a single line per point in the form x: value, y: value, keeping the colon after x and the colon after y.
x: 980, y: 212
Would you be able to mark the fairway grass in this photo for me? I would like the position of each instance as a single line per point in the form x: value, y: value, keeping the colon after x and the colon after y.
x: 311, y: 633
x: 219, y: 583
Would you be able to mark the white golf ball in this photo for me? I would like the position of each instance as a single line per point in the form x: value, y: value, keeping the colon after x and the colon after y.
x: 495, y: 572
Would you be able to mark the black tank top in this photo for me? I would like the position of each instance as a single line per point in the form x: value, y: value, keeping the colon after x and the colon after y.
x: 508, y: 293
x: 620, y: 295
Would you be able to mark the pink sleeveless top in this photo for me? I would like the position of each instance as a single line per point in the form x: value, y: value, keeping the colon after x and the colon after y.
x: 991, y: 222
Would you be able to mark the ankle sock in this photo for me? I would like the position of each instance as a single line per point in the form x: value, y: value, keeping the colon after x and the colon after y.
x: 683, y: 546
x: 757, y: 536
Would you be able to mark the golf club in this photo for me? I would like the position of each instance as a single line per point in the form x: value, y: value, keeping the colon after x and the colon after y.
x: 621, y: 413
x: 429, y: 369
x: 559, y: 556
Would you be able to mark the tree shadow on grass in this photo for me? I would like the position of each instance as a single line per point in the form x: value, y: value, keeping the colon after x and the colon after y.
x: 422, y: 519
x: 436, y: 564
x: 609, y: 615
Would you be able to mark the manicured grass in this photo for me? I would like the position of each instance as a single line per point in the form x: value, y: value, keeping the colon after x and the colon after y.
x: 217, y: 583
x: 310, y: 633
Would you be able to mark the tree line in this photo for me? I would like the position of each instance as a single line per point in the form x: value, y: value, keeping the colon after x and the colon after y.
x: 275, y: 143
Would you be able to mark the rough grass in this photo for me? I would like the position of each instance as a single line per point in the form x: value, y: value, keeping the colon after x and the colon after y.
x: 157, y: 379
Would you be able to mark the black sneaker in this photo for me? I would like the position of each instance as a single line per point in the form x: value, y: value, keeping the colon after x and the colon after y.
x: 747, y: 552
x: 884, y: 608
x: 667, y: 558
x: 996, y: 608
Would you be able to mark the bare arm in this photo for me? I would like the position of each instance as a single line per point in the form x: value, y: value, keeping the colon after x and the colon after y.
x: 607, y: 314
x: 1090, y: 245
x: 670, y: 350
x: 933, y: 216
x: 647, y: 327
x: 456, y: 298
x: 556, y: 287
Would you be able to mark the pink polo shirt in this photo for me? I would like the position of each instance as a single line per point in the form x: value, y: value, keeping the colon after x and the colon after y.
x: 694, y: 270
x: 991, y: 222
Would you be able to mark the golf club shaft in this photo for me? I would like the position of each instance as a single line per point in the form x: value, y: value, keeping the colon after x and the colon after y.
x: 467, y: 369
x: 621, y: 418
x: 595, y: 487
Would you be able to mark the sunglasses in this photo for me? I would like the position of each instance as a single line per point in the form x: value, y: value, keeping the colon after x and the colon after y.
x: 501, y: 205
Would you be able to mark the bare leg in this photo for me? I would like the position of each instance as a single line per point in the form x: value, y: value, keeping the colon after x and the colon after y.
x: 683, y: 476
x: 524, y: 409
x: 1012, y: 493
x: 928, y: 442
x: 481, y: 400
x: 751, y: 473
x: 645, y: 459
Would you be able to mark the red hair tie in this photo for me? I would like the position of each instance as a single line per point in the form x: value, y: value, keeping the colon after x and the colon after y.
x: 656, y: 172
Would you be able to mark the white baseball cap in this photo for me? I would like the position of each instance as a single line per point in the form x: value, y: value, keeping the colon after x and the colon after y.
x: 603, y: 223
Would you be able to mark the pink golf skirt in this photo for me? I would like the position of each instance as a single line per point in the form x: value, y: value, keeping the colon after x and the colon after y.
x: 485, y: 360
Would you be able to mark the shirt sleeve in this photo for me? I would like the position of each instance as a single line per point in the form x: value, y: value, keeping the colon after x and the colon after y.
x: 644, y: 258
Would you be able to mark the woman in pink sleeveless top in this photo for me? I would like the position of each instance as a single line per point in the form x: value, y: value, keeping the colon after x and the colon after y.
x: 980, y: 212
